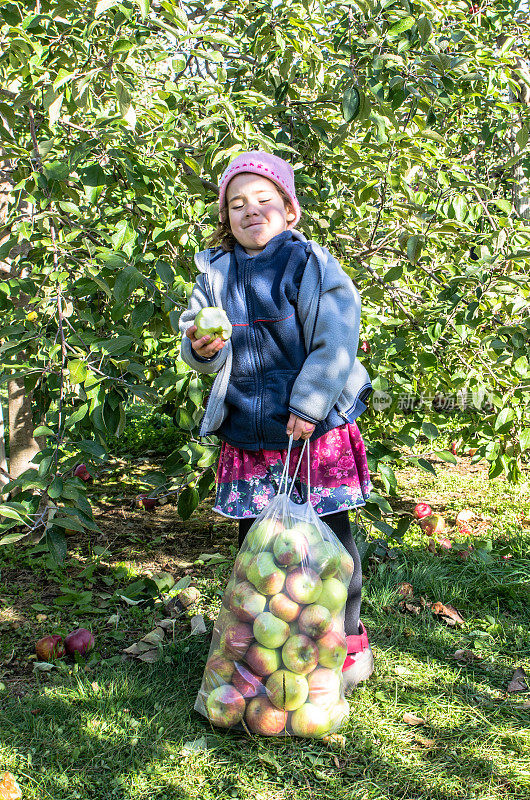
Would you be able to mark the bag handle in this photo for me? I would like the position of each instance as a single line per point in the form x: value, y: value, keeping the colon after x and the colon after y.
x: 285, y: 474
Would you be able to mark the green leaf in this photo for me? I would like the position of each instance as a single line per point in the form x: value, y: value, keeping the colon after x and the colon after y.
x: 56, y: 542
x: 124, y: 102
x: 524, y: 439
x: 165, y: 272
x: 414, y: 246
x: 430, y: 430
x: 503, y: 204
x: 504, y: 420
x: 10, y: 513
x: 521, y: 136
x: 400, y: 27
x: 77, y: 370
x: 142, y: 313
x: 105, y: 5
x: 143, y: 5
x: 127, y: 281
x: 445, y: 455
x: 350, y: 103
x: 426, y: 465
x: 52, y: 103
x: 187, y: 502
x: 11, y: 538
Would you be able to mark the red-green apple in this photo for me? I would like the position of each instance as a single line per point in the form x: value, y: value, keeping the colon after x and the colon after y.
x: 50, y: 647
x: 225, y: 706
x: 283, y: 607
x: 262, y: 660
x: 346, y: 567
x: 290, y: 547
x: 264, y: 573
x: 315, y: 620
x: 82, y: 472
x: 270, y: 631
x: 262, y: 717
x: 333, y: 595
x: 332, y: 650
x: 286, y: 689
x: 324, y: 686
x: 432, y: 524
x: 218, y: 670
x: 235, y: 639
x: 303, y: 585
x: 212, y: 321
x: 300, y: 654
x: 246, y: 602
x: 422, y: 510
x: 310, y: 720
x: 248, y: 684
x: 324, y: 558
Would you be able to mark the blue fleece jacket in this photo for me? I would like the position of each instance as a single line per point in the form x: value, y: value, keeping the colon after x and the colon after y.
x: 330, y: 384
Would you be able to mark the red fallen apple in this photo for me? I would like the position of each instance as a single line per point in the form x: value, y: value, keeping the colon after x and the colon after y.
x: 144, y: 501
x: 365, y: 346
x: 79, y: 641
x: 422, y: 510
x: 432, y: 524
x: 466, y: 530
x: 465, y: 516
x: 445, y: 543
x: 50, y: 647
x: 81, y: 472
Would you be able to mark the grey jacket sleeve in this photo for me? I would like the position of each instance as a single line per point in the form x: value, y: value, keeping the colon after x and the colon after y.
x: 199, y: 299
x: 323, y: 376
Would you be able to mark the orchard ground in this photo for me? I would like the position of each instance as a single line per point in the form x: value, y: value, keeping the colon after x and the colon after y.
x: 437, y: 720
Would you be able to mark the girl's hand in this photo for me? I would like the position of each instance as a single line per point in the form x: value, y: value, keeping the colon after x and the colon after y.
x: 203, y: 347
x: 300, y: 428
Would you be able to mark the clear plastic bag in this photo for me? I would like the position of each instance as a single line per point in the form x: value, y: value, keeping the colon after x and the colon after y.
x: 278, y: 645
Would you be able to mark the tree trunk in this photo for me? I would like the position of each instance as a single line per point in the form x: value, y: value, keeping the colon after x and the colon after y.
x: 22, y: 445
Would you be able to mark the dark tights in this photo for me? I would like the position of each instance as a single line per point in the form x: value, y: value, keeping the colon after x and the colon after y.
x: 340, y: 525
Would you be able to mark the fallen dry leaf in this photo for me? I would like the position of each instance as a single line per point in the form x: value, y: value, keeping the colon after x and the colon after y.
x: 197, y: 625
x: 9, y: 788
x: 449, y: 614
x: 466, y: 655
x: 154, y: 637
x: 412, y: 719
x: 335, y: 740
x: 405, y: 590
x: 137, y: 648
x: 518, y: 682
x: 410, y: 607
x: 150, y: 657
x: 425, y: 742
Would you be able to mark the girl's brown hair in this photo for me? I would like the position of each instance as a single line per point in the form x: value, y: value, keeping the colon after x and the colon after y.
x: 223, y: 236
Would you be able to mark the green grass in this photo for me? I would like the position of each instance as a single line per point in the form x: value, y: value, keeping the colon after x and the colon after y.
x: 128, y: 730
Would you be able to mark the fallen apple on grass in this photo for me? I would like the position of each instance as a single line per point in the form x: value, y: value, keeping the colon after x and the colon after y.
x: 465, y: 516
x: 144, y: 501
x: 79, y: 641
x: 50, y: 647
x: 422, y: 510
x: 432, y: 524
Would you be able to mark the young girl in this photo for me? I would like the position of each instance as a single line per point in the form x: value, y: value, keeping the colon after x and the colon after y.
x: 289, y: 368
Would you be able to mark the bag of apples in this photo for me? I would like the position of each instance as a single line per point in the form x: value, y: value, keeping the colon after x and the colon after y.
x: 278, y: 645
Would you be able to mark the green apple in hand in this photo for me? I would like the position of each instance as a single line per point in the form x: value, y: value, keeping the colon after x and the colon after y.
x: 213, y: 322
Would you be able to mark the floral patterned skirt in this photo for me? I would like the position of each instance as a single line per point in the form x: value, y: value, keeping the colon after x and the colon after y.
x: 248, y: 479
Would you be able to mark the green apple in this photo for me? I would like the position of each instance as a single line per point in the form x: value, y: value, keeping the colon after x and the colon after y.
x: 286, y: 689
x: 332, y: 650
x: 333, y: 595
x: 324, y: 558
x: 300, y: 654
x: 213, y: 322
x: 310, y: 531
x: 270, y: 631
x: 265, y: 574
x: 261, y: 536
x: 311, y: 720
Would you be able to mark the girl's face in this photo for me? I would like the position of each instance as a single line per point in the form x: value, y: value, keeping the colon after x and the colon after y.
x: 256, y: 211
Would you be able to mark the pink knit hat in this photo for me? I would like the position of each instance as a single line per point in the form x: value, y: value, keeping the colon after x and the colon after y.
x: 271, y: 167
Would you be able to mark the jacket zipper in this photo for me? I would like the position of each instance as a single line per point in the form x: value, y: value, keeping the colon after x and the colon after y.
x: 255, y: 353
